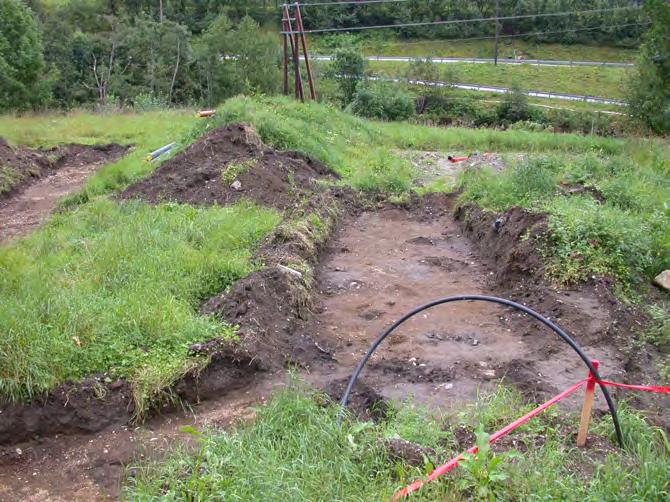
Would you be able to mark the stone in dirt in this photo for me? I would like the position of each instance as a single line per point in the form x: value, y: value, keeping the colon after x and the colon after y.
x: 663, y: 280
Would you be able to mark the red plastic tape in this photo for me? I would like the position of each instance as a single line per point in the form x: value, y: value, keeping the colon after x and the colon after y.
x: 444, y: 468
x: 665, y: 389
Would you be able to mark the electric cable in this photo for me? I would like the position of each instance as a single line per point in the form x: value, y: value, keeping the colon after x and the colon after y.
x: 491, y: 299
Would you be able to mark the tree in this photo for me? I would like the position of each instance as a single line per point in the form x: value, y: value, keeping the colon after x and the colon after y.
x: 514, y: 105
x: 23, y: 83
x: 348, y: 67
x: 649, y: 89
x: 232, y: 60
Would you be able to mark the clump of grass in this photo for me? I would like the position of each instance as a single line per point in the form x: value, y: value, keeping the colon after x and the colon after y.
x: 115, y: 287
x: 234, y: 169
x: 9, y: 177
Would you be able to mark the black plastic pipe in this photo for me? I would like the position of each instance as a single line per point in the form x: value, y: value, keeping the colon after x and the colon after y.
x: 492, y: 299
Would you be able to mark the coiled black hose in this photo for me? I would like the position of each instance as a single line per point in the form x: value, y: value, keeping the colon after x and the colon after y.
x: 492, y: 299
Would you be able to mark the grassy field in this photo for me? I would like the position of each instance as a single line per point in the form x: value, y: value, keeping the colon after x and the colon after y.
x: 104, y: 267
x: 295, y: 450
x: 115, y: 287
x: 484, y: 49
x: 589, y: 80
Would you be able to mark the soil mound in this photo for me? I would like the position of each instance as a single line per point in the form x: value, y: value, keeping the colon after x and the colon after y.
x: 230, y: 163
x: 20, y: 166
x: 509, y: 239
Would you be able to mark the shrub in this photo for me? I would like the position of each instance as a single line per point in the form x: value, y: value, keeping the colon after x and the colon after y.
x: 514, y: 106
x: 384, y: 102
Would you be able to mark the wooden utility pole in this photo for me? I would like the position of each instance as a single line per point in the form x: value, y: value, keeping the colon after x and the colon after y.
x: 288, y: 30
x: 301, y: 29
x: 285, y: 37
x: 495, y: 57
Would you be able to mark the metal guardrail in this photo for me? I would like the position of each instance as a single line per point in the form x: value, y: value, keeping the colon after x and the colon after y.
x: 504, y: 90
x: 536, y: 62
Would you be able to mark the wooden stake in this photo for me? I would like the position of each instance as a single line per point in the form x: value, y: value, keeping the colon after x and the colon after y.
x: 303, y: 39
x: 586, y: 407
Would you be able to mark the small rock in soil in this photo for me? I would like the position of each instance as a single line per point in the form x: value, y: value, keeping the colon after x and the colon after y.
x: 663, y: 280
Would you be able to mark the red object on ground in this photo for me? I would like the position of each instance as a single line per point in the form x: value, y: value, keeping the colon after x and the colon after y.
x: 456, y: 159
x: 443, y: 469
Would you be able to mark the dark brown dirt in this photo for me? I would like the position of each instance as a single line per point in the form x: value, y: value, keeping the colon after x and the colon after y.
x: 44, y: 176
x: 230, y: 163
x: 29, y: 165
x: 88, y: 406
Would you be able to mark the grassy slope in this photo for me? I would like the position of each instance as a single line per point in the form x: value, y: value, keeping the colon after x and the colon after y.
x: 484, y: 49
x: 588, y: 80
x: 295, y: 450
x: 115, y: 287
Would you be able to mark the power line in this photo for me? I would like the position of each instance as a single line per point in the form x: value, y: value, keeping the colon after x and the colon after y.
x: 337, y: 4
x: 462, y: 21
x: 531, y: 34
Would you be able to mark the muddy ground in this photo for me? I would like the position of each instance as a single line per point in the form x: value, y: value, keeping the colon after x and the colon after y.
x: 326, y: 292
x: 34, y: 180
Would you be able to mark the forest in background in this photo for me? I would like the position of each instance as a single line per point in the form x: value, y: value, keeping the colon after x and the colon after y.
x: 151, y: 54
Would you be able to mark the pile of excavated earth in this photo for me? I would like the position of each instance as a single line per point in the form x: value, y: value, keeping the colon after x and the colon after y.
x: 337, y: 270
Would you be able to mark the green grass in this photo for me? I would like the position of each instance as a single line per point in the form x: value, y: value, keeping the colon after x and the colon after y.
x: 145, y: 131
x: 586, y: 80
x: 484, y: 49
x: 624, y: 235
x: 294, y: 450
x: 115, y: 287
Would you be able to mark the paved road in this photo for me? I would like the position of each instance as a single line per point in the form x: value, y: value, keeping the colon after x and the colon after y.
x: 535, y: 62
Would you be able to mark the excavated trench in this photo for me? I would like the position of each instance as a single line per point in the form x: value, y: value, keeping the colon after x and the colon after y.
x: 353, y: 268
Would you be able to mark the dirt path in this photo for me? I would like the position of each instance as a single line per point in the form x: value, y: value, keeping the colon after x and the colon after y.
x: 36, y: 198
x: 383, y: 264
x: 90, y: 467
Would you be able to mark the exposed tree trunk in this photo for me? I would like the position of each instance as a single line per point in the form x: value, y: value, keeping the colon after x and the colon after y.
x: 176, y: 68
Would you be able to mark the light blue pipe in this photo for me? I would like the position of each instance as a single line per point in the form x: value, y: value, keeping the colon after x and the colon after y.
x: 157, y: 153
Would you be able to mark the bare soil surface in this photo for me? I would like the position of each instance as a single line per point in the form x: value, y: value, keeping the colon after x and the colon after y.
x: 382, y: 264
x: 41, y: 177
x: 230, y: 163
x: 86, y: 467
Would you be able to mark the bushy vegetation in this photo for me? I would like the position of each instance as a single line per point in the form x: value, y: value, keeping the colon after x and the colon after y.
x: 649, y: 90
x: 115, y: 288
x: 619, y: 29
x: 615, y: 224
x: 295, y: 449
x: 382, y: 101
x: 22, y: 82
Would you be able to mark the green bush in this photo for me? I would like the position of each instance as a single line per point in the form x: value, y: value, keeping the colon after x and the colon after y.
x: 385, y: 102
